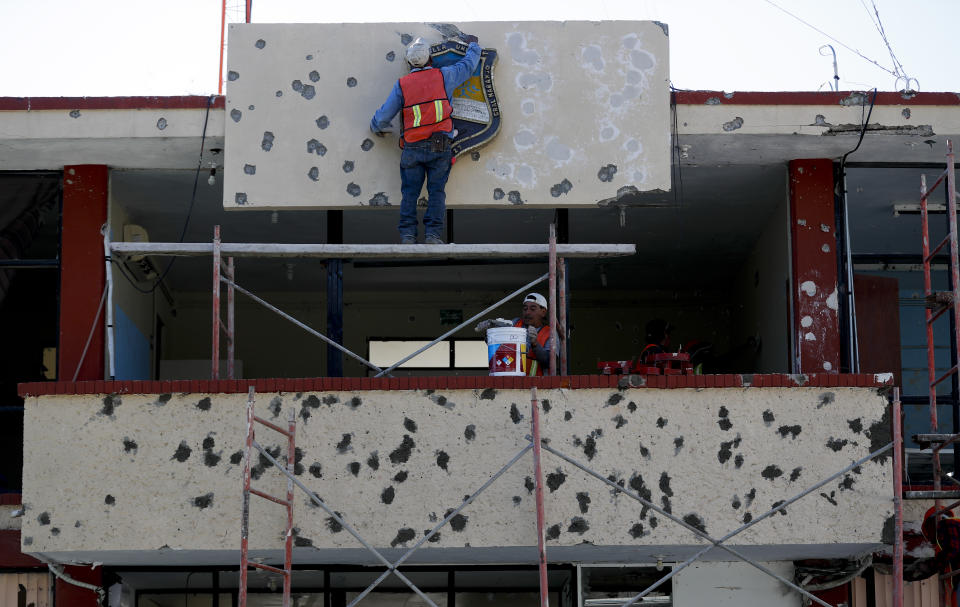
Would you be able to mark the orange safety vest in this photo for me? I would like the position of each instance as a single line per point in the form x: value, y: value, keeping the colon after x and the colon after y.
x: 426, y: 109
x: 531, y: 363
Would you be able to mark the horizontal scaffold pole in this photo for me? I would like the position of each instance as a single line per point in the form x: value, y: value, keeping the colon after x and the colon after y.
x: 372, y: 251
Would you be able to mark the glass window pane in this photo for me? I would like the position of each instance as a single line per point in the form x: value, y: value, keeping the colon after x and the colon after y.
x: 470, y: 354
x: 385, y: 353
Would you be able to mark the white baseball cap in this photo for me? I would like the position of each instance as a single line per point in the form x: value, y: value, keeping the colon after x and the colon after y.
x: 536, y: 298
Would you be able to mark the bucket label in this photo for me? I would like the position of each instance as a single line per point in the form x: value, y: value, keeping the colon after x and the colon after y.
x: 507, y: 357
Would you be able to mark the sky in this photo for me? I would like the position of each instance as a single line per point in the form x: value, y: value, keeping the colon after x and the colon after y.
x: 66, y: 48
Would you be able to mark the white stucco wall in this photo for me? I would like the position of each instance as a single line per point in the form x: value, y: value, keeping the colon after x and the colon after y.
x: 585, y: 111
x: 160, y: 473
x: 734, y: 585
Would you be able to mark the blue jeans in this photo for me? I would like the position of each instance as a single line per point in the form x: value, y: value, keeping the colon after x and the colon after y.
x: 418, y: 161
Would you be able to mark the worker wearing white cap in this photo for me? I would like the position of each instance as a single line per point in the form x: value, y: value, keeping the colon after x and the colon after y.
x: 534, y: 318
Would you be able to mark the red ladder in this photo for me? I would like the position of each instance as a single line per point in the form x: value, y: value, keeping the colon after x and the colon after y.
x: 245, y: 562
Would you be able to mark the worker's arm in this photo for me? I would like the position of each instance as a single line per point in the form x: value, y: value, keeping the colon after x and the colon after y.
x: 541, y: 353
x: 384, y: 116
x: 456, y: 74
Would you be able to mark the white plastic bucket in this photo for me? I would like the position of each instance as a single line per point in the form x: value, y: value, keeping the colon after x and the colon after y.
x: 506, y: 347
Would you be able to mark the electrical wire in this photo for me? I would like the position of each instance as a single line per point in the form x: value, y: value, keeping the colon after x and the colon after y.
x: 849, y: 48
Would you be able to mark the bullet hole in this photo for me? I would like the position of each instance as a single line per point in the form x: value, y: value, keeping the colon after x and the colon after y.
x: 567, y: 416
x: 403, y: 536
x: 302, y: 542
x: 470, y: 432
x: 856, y: 425
x: 665, y: 502
x: 129, y: 445
x: 905, y: 113
x: 309, y: 58
x: 619, y: 419
x: 401, y: 454
x: 401, y: 476
x: 545, y: 403
x: 236, y: 114
x: 475, y: 156
x: 442, y: 460
x: 514, y: 197
x: 208, y: 443
x: 162, y: 399
x: 637, y: 531
x: 351, y: 82
x: 344, y: 445
x: 661, y: 422
x: 696, y: 522
x: 203, y: 501
x: 387, y: 495
x: 793, y: 431
x: 204, y: 404
x: 561, y: 188
x: 110, y: 402
x: 314, y: 174
x: 240, y: 198
x: 316, y: 470
x: 333, y: 525
x: 182, y: 453
x: 488, y: 394
x: 366, y: 145
x: 515, y: 416
x: 606, y: 173
x: 555, y: 479
x: 795, y: 473
x: 677, y: 445
x: 441, y: 400
x: 738, y: 461
x: 391, y: 56
x: 640, y: 488
x: 498, y: 194
x: 405, y: 39
x: 836, y: 443
x: 613, y: 400
x: 54, y: 531
x: 733, y: 125
x: 77, y: 525
x: 211, y: 459
x: 266, y: 144
x: 768, y: 417
x: 353, y: 189
x: 771, y: 472
x: 458, y: 523
x: 27, y: 541
x: 735, y: 504
x: 315, y: 147
x: 724, y: 421
x: 590, y: 447
x: 279, y: 93
x: 44, y: 518
x: 251, y: 107
x: 516, y: 500
x: 314, y: 75
x: 830, y: 497
x: 578, y: 525
x: 750, y: 496
x: 250, y: 169
x: 553, y: 532
x: 236, y: 457
x: 232, y: 75
x: 583, y: 501
x: 354, y: 468
x: 826, y: 398
x: 260, y: 43
x: 347, y: 166
x: 528, y: 484
x: 644, y: 452
x: 323, y: 122
x: 74, y: 113
x: 724, y: 453
x: 330, y: 399
x: 665, y: 484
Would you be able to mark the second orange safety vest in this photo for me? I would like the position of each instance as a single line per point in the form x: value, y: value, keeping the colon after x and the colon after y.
x: 532, y: 365
x: 426, y: 109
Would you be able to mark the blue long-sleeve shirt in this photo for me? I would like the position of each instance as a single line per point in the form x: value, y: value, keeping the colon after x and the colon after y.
x: 453, y: 76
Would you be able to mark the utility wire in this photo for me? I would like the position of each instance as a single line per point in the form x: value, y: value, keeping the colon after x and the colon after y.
x: 849, y: 48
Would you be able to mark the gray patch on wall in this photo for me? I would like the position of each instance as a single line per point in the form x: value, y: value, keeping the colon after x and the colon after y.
x: 513, y: 196
x: 353, y: 189
x: 391, y: 56
x: 366, y: 145
x: 351, y: 82
x: 314, y: 146
x: 203, y: 501
x: 250, y: 169
x: 314, y: 174
x: 232, y: 75
x: 74, y: 113
x: 498, y: 194
x: 240, y: 198
x: 110, y: 402
x: 733, y: 125
x: 347, y: 166
x: 606, y: 173
x: 380, y: 199
x: 266, y: 144
x: 260, y: 43
x: 561, y: 188
x: 323, y: 122
x: 162, y: 123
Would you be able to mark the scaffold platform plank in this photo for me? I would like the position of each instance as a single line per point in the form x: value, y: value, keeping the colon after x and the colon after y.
x: 931, y: 495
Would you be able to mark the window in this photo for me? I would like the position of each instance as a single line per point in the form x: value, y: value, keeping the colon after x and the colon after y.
x: 448, y: 354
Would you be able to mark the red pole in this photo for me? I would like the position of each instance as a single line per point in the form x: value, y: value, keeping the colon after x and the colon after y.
x: 245, y: 509
x: 215, y: 343
x: 223, y: 27
x: 538, y: 483
x: 288, y: 548
x: 249, y: 4
x: 928, y: 313
x: 231, y: 324
x: 897, y: 502
x: 552, y: 299
x: 564, y: 333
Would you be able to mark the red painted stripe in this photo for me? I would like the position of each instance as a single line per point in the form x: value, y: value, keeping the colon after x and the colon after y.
x: 10, y: 555
x: 808, y: 98
x: 185, y: 102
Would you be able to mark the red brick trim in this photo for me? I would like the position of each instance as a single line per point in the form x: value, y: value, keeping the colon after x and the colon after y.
x: 10, y: 499
x: 808, y: 98
x: 10, y: 555
x: 191, y: 102
x: 356, y: 384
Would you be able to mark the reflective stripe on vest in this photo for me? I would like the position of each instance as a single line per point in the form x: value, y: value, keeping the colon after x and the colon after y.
x: 532, y: 364
x: 426, y: 109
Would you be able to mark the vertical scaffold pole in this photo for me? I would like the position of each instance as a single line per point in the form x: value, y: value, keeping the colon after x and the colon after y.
x: 928, y: 313
x: 215, y: 336
x: 288, y: 548
x: 538, y: 489
x: 897, y: 502
x: 245, y: 504
x: 552, y: 299
x: 563, y: 331
x: 231, y: 321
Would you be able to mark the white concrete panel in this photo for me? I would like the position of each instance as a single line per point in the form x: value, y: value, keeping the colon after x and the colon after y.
x: 733, y: 585
x: 585, y: 111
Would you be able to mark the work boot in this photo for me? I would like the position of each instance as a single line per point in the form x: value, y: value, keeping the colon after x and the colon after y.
x: 433, y: 239
x: 408, y: 239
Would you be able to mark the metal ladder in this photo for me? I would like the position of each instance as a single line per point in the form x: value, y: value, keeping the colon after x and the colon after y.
x: 245, y: 562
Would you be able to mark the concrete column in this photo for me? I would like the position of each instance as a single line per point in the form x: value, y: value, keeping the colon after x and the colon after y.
x: 82, y: 274
x: 816, y: 320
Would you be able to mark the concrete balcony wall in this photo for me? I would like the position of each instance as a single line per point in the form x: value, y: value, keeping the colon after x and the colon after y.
x: 156, y: 478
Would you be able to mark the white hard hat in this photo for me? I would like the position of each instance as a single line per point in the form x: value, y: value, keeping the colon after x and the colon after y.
x: 418, y: 53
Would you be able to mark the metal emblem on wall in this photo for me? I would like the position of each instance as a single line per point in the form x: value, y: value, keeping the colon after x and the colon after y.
x: 475, y: 112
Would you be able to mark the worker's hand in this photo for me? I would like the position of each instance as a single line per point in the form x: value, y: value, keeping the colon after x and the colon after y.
x: 377, y: 132
x: 532, y: 333
x: 483, y: 325
x: 470, y: 38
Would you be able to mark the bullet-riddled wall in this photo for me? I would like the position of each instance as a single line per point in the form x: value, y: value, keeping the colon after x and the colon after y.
x: 160, y: 473
x: 584, y: 106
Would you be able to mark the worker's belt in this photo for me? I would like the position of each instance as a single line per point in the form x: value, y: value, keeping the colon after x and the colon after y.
x: 439, y: 143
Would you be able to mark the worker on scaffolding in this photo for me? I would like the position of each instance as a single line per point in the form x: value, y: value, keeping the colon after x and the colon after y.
x: 658, y: 340
x: 533, y: 317
x: 426, y: 134
x: 941, y: 529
